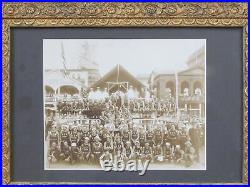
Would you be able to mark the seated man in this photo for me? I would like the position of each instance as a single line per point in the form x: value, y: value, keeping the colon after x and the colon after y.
x: 125, y: 136
x: 138, y: 150
x: 147, y: 152
x: 189, y: 154
x: 178, y: 154
x: 108, y: 144
x: 142, y: 137
x: 150, y: 137
x: 85, y: 149
x: 183, y: 136
x: 74, y: 135
x: 84, y: 133
x: 53, y: 153
x: 172, y: 136
x: 118, y: 146
x: 128, y: 151
x: 106, y: 157
x: 134, y: 135
x: 97, y: 149
x: 158, y: 136
x: 120, y: 156
x: 53, y: 136
x: 168, y: 153
x: 158, y: 153
x: 64, y: 135
x: 65, y: 151
x: 75, y: 153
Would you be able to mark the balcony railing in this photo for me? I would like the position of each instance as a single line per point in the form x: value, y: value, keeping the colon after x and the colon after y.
x: 192, y: 98
x: 49, y: 99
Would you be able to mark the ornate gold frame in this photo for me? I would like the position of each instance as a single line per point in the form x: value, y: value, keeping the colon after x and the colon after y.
x: 118, y: 15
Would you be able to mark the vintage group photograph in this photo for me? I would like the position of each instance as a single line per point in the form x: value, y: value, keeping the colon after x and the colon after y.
x: 124, y: 104
x: 125, y: 93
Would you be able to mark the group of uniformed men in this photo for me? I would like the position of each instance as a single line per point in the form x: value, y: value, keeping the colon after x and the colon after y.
x: 115, y: 134
x: 85, y: 143
x: 92, y: 108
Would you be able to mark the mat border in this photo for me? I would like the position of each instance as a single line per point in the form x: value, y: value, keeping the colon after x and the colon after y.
x: 117, y: 15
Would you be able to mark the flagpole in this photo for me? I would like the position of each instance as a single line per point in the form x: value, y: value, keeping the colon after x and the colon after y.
x: 117, y: 78
x: 177, y: 94
x: 63, y: 59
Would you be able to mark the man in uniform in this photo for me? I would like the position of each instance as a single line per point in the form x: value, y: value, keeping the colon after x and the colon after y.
x: 108, y: 144
x: 138, y: 150
x: 134, y: 135
x: 128, y: 151
x: 105, y: 134
x: 97, y: 149
x: 165, y: 135
x: 74, y: 136
x: 84, y: 134
x: 172, y: 135
x: 93, y: 135
x: 125, y: 136
x: 65, y: 151
x: 64, y: 136
x: 147, y: 152
x: 150, y: 137
x: 158, y: 153
x: 195, y: 134
x: 106, y: 157
x: 183, y: 137
x: 158, y: 137
x: 142, y: 138
x: 168, y: 153
x: 178, y: 154
x: 85, y: 149
x: 75, y: 153
x: 103, y: 118
x: 189, y: 154
x: 53, y: 153
x: 53, y: 136
x: 118, y: 146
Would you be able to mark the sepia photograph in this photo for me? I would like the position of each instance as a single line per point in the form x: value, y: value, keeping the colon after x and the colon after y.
x: 124, y: 104
x: 124, y: 93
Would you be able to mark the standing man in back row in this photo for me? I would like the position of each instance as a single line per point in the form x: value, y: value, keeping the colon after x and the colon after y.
x: 195, y: 133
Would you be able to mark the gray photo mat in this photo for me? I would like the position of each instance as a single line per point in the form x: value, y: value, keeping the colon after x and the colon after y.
x: 223, y: 105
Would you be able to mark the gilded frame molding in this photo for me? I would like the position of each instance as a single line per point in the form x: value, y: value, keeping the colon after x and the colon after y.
x: 117, y: 15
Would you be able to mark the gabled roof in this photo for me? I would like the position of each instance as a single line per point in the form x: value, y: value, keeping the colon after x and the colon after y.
x: 117, y: 74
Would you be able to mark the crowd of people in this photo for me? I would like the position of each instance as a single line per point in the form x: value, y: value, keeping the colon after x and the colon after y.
x: 93, y: 108
x: 109, y: 130
x: 90, y: 143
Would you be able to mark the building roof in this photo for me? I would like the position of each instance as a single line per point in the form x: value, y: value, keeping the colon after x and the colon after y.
x: 195, y: 70
x: 156, y: 74
x: 118, y: 74
x: 191, y: 71
x: 197, y: 58
x: 165, y: 72
x: 58, y: 78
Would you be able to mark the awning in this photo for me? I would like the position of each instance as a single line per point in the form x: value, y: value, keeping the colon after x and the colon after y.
x: 118, y: 78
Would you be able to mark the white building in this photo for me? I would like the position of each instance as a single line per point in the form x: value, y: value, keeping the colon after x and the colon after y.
x: 72, y: 79
x: 187, y: 87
